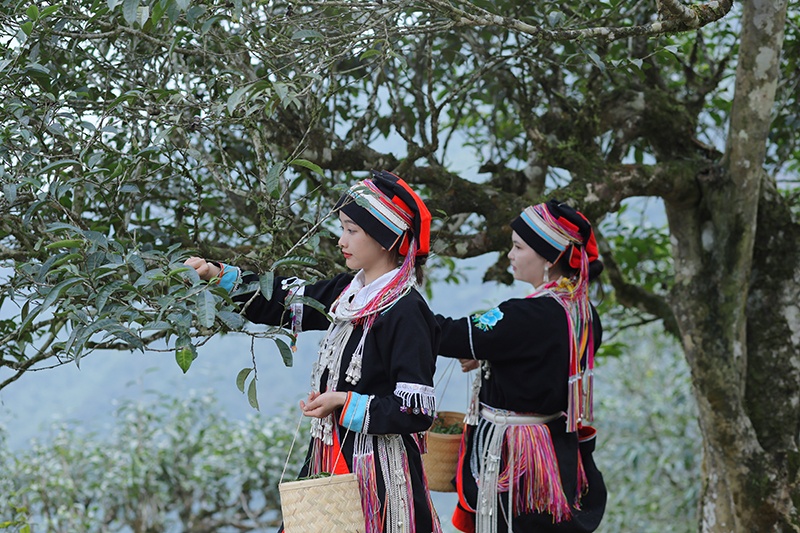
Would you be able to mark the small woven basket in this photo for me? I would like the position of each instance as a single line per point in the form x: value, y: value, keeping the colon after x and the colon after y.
x: 441, y: 461
x: 322, y: 505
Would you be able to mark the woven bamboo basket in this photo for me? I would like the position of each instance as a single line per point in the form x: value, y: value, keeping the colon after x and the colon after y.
x: 322, y: 505
x: 441, y: 461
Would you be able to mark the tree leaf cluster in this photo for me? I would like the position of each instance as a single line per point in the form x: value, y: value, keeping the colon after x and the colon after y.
x: 155, y: 129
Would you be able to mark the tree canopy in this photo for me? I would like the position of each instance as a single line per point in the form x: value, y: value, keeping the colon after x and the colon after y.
x: 135, y: 133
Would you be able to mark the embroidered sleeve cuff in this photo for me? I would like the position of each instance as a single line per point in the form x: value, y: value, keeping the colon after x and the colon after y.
x: 355, y: 412
x: 228, y: 277
x: 416, y: 398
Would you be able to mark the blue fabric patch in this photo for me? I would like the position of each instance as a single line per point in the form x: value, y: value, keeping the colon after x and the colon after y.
x: 353, y: 417
x: 229, y: 277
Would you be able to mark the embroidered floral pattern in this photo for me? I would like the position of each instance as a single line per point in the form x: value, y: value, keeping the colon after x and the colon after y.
x: 487, y: 320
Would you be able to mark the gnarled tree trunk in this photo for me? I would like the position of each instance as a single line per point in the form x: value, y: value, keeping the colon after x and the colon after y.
x: 749, y: 453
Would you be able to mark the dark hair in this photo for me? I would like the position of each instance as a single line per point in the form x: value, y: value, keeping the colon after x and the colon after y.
x: 419, y: 262
x: 595, y: 267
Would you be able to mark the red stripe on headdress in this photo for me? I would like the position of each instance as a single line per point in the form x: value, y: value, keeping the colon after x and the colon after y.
x: 424, y: 221
x: 590, y: 245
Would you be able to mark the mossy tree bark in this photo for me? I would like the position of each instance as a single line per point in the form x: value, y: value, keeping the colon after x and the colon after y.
x: 750, y: 452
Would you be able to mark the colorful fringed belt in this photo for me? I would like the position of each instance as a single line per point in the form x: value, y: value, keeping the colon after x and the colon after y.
x: 531, y: 470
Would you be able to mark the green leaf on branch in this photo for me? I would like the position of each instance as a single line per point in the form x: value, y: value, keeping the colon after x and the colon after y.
x: 95, y: 237
x: 41, y: 276
x: 125, y: 335
x: 185, y: 352
x: 56, y: 291
x: 158, y: 326
x: 307, y: 34
x: 46, y: 12
x: 33, y: 13
x: 286, y: 352
x: 273, y: 177
x: 236, y: 98
x: 158, y: 11
x: 137, y: 263
x: 149, y: 277
x: 86, y: 333
x: 33, y: 314
x: 368, y: 54
x: 295, y: 260
x: 142, y: 15
x: 93, y: 261
x: 241, y: 377
x: 252, y: 397
x: 76, y: 332
x: 554, y: 18
x: 309, y: 165
x: 69, y: 243
x: 266, y: 282
x: 58, y: 164
x: 10, y: 191
x: 66, y: 258
x: 129, y: 8
x: 596, y: 60
x: 105, y: 293
x: 231, y: 320
x: 26, y: 218
x: 179, y: 270
x: 57, y: 226
x: 206, y: 309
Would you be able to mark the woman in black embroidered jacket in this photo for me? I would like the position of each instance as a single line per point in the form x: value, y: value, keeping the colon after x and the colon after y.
x: 525, y: 461
x: 372, y: 384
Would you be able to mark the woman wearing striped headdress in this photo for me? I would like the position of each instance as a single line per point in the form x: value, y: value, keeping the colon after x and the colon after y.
x: 525, y: 462
x: 372, y: 385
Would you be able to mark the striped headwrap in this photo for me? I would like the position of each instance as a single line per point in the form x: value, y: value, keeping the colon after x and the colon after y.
x: 553, y: 230
x: 390, y: 212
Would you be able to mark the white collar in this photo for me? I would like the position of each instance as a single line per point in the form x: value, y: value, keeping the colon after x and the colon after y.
x: 368, y: 292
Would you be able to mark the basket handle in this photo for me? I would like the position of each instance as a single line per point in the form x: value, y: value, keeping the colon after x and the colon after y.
x: 291, y: 447
x: 449, y: 373
x: 294, y: 439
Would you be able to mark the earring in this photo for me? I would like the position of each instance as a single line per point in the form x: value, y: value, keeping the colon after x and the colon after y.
x: 546, y: 276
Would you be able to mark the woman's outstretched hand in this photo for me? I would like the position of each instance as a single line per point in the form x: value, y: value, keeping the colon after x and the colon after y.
x: 204, y: 269
x: 320, y: 405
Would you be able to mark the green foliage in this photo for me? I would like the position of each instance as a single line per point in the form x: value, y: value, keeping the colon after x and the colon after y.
x: 642, y: 251
x: 642, y: 257
x: 649, y: 443
x: 117, y: 163
x: 148, y: 130
x: 167, y: 464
